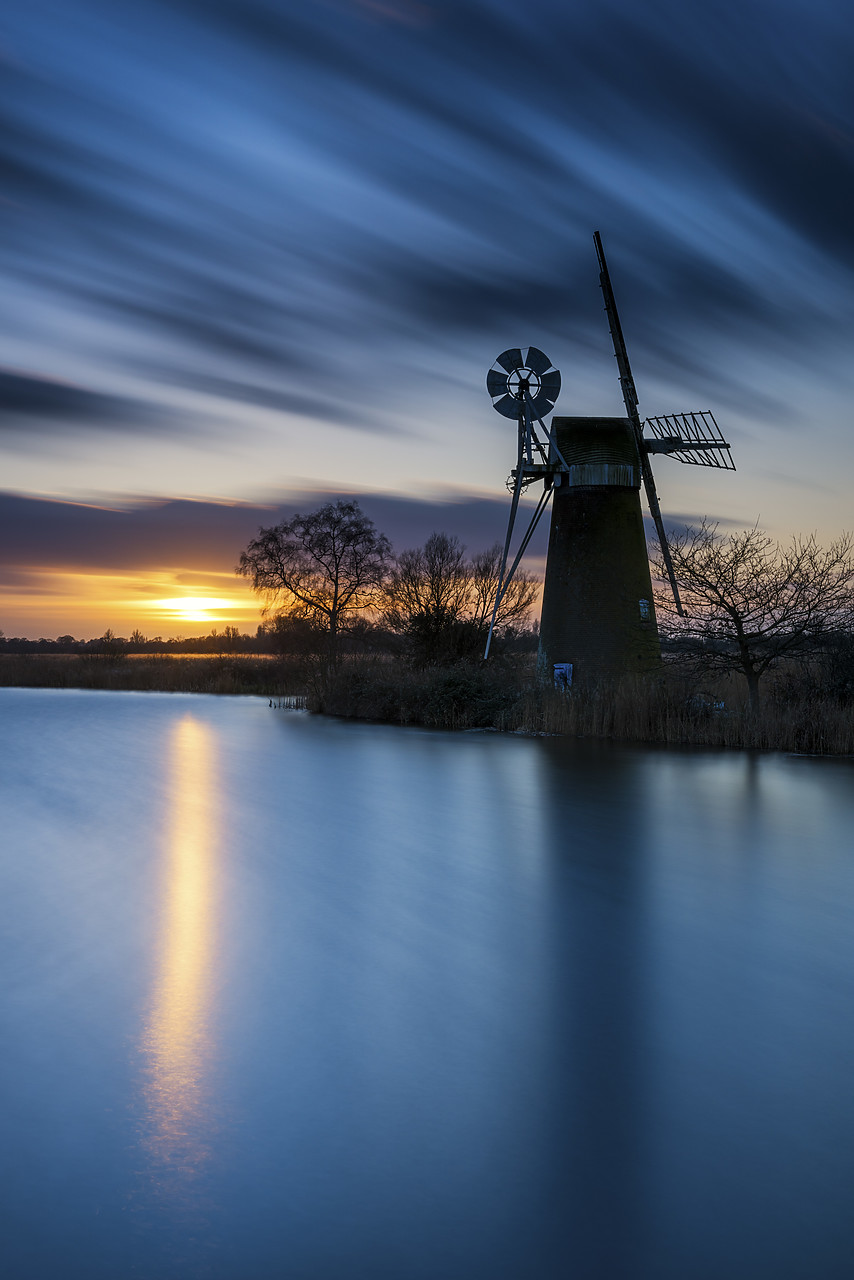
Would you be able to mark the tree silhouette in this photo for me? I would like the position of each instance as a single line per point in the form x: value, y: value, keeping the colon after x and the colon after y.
x: 751, y: 602
x: 326, y: 567
x: 517, y: 599
x: 441, y: 604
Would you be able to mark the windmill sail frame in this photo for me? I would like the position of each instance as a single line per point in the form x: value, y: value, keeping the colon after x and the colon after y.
x: 692, y: 438
x: 630, y: 399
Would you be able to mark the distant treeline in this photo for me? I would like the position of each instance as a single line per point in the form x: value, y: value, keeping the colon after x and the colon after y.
x: 230, y: 640
x: 279, y: 636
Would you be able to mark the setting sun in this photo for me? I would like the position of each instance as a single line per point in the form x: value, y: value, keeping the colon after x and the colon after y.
x: 194, y: 608
x: 156, y: 602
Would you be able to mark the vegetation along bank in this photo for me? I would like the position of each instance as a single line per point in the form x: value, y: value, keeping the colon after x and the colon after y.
x: 764, y: 657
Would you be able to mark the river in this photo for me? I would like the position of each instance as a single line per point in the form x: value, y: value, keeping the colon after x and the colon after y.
x: 292, y: 997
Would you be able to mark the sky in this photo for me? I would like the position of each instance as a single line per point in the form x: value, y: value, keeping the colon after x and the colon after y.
x: 258, y: 254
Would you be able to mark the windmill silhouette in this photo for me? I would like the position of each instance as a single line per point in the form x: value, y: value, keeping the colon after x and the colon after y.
x: 598, y: 616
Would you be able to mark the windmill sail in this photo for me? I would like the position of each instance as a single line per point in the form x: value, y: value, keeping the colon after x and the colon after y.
x: 630, y: 399
x: 693, y: 438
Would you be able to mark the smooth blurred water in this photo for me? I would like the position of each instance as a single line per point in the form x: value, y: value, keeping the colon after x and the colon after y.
x: 290, y: 997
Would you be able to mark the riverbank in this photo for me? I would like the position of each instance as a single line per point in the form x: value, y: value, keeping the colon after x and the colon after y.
x: 667, y: 709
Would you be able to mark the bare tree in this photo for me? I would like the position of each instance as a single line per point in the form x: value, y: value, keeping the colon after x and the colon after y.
x: 441, y: 603
x: 326, y: 567
x: 429, y: 581
x: 427, y: 595
x: 517, y: 599
x: 751, y: 602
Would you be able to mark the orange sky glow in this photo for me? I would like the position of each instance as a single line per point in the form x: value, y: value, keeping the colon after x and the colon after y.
x: 160, y: 603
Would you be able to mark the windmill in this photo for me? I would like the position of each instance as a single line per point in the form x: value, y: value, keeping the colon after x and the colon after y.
x: 598, y: 616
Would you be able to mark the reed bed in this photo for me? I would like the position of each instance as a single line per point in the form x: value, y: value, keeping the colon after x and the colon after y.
x: 667, y: 708
x: 270, y: 678
x: 671, y: 712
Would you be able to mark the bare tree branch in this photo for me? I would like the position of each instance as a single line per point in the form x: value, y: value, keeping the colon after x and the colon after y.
x: 751, y: 602
x: 517, y: 599
x: 324, y: 566
x: 441, y: 603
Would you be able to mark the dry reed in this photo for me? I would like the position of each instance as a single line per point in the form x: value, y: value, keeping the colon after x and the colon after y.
x: 155, y: 673
x: 667, y: 708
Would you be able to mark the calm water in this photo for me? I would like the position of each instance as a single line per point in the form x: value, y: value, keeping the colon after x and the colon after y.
x: 286, y: 997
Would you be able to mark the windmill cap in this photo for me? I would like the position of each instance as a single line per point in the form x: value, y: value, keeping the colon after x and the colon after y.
x: 598, y: 451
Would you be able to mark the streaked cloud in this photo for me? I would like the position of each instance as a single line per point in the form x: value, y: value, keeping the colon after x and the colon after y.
x: 310, y: 184
x: 209, y: 536
x: 37, y: 405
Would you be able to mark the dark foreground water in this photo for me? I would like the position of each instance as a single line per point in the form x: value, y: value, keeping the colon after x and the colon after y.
x: 286, y: 997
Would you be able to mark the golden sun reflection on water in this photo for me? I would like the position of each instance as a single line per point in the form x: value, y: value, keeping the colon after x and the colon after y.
x: 178, y: 1040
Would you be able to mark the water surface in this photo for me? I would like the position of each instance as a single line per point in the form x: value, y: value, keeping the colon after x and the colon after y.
x: 291, y: 997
